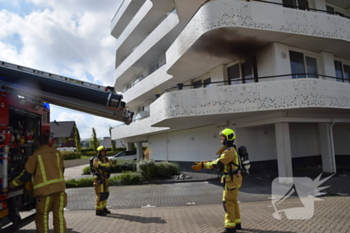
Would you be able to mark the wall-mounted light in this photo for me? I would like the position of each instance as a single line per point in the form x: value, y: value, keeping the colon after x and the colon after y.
x: 284, y: 55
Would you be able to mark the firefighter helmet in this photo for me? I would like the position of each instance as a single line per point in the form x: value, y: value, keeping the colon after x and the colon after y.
x: 100, y: 148
x: 229, y: 134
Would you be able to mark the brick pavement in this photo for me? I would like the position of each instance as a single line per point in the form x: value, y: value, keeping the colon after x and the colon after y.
x: 331, y: 215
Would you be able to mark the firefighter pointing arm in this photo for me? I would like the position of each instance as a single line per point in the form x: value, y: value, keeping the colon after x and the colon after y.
x: 102, y: 166
x: 228, y: 163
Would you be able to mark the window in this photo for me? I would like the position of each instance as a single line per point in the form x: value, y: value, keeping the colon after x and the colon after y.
x: 197, y: 84
x: 296, y: 4
x: 234, y: 75
x: 330, y: 10
x: 311, y: 67
x: 247, y: 72
x: 207, y: 82
x: 141, y: 109
x: 346, y: 73
x: 300, y: 65
x: 153, y: 68
x: 342, y: 71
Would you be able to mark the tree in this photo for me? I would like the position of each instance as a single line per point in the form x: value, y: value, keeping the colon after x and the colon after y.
x: 77, y: 138
x: 94, y: 141
x: 112, y: 141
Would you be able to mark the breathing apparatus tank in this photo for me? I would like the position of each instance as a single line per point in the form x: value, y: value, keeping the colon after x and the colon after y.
x: 243, y: 156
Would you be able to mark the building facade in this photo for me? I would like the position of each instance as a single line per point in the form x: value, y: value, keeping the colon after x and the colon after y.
x: 277, y: 72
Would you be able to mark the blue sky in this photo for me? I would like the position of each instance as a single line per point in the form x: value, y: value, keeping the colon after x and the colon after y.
x: 65, y: 37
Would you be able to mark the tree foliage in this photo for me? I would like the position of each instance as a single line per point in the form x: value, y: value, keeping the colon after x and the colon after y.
x: 77, y: 138
x: 94, y: 141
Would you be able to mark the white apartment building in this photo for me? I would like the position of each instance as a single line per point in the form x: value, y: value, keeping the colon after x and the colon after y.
x: 277, y: 72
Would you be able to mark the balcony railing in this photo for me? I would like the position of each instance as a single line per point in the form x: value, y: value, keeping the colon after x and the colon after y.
x: 301, y: 7
x: 180, y: 86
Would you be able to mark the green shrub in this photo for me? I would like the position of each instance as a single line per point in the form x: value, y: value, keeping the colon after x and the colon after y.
x: 131, y: 166
x: 69, y: 155
x: 83, y: 150
x: 89, y: 153
x: 93, y: 153
x: 147, y: 168
x: 86, y: 170
x: 127, y: 178
x: 83, y: 182
x: 166, y: 169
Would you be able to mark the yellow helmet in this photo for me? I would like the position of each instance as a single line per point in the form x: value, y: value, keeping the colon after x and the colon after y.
x: 101, y: 148
x: 229, y: 134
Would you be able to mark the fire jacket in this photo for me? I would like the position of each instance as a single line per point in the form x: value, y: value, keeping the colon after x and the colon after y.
x: 45, y: 168
x: 227, y: 162
x: 102, y: 166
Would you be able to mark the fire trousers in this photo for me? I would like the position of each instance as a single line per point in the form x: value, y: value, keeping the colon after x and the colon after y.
x: 102, y: 193
x: 55, y: 203
x: 230, y: 203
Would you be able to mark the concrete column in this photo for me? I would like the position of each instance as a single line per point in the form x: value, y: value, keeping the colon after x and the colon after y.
x: 327, y: 147
x: 129, y: 146
x: 284, y: 154
x: 139, y: 151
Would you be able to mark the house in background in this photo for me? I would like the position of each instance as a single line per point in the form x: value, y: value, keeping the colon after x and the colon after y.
x: 63, y: 133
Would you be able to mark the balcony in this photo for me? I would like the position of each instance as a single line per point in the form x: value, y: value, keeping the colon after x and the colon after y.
x: 150, y: 49
x: 124, y: 15
x: 136, y: 131
x: 226, y: 30
x: 205, y: 106
x: 145, y: 89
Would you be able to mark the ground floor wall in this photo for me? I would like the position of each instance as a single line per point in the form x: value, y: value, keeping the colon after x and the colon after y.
x: 187, y: 146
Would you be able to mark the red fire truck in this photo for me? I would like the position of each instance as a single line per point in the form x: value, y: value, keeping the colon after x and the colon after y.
x: 21, y: 121
x: 25, y: 114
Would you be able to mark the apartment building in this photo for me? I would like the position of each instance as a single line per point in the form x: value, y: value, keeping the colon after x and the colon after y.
x: 277, y: 72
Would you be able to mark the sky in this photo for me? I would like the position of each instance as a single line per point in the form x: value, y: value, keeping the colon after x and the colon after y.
x: 65, y: 37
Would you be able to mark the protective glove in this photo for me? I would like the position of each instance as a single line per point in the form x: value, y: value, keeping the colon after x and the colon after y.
x: 198, y: 166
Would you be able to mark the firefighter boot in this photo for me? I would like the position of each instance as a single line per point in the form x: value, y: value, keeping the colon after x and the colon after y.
x: 229, y: 230
x: 101, y: 213
x: 106, y: 211
x: 238, y: 226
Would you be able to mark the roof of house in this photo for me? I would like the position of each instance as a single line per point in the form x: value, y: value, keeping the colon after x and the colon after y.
x: 61, y: 129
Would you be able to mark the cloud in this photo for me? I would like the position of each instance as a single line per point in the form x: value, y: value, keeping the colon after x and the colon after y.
x: 64, y: 37
x: 70, y: 38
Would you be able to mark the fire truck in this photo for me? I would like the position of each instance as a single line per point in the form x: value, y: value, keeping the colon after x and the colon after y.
x: 25, y: 95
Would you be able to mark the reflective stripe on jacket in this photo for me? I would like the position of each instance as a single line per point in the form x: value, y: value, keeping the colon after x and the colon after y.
x: 46, y: 166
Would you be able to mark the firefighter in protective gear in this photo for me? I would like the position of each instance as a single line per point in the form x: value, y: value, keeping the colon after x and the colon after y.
x: 102, y: 166
x: 228, y: 163
x: 45, y: 168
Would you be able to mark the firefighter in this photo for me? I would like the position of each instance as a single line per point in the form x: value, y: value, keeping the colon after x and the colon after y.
x: 102, y: 167
x: 45, y: 168
x: 228, y: 163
